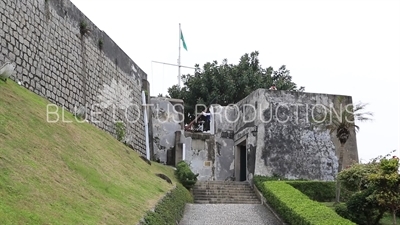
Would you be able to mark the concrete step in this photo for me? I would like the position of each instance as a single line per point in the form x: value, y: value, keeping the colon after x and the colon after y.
x: 221, y: 185
x: 222, y: 188
x: 218, y: 183
x: 225, y: 197
x: 227, y: 202
x: 222, y: 182
x: 224, y: 192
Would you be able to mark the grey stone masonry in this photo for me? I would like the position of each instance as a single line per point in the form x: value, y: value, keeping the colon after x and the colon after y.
x: 61, y: 55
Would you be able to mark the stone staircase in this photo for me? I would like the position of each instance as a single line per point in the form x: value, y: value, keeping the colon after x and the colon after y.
x: 224, y: 192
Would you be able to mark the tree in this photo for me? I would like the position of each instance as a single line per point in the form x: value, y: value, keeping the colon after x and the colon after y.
x: 376, y: 189
x: 362, y: 207
x: 162, y: 96
x: 341, y: 124
x: 227, y: 83
x: 387, y: 185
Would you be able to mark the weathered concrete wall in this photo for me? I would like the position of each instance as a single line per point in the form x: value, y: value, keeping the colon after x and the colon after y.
x: 251, y: 148
x: 287, y: 143
x: 200, y: 155
x: 275, y: 128
x: 225, y: 146
x: 212, y: 156
x: 72, y: 69
x: 166, y: 120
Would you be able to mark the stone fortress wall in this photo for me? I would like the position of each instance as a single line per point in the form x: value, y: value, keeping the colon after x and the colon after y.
x: 61, y: 55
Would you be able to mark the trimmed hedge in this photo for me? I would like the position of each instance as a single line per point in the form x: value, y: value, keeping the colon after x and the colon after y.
x: 321, y: 191
x: 315, y: 190
x: 296, y: 208
x: 171, y: 208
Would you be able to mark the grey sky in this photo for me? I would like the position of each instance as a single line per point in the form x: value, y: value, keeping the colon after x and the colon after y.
x: 335, y: 47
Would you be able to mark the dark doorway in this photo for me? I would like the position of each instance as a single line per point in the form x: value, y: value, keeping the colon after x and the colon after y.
x: 171, y: 157
x: 243, y: 165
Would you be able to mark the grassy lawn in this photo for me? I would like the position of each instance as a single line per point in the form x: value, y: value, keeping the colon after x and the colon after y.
x: 386, y: 220
x: 68, y: 173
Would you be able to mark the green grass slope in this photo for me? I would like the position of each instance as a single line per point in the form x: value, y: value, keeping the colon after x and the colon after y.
x: 68, y: 173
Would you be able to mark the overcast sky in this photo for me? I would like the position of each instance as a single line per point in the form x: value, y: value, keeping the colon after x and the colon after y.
x: 334, y: 47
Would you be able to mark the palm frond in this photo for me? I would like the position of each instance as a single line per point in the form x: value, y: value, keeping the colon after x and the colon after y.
x: 341, y: 122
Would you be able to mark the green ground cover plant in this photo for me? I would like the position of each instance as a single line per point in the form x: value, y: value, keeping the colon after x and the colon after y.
x: 68, y: 173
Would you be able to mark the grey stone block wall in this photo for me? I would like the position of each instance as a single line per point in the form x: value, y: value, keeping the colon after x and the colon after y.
x: 52, y: 58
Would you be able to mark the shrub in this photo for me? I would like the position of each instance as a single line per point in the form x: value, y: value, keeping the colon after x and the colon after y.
x: 120, y: 130
x: 297, y: 208
x: 185, y: 175
x: 345, y: 194
x: 341, y: 209
x: 355, y: 178
x: 357, y: 216
x: 83, y: 28
x: 171, y: 208
x: 363, y: 208
x: 100, y: 44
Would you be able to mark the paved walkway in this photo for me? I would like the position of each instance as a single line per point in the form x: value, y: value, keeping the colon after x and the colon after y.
x: 228, y: 214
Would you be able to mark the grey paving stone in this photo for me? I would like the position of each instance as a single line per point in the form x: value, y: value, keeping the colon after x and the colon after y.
x: 228, y: 214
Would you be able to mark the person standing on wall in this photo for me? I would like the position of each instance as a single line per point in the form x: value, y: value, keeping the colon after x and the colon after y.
x: 273, y: 87
x: 207, y: 116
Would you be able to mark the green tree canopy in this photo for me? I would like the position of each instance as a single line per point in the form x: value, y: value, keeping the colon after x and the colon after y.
x: 228, y: 83
x: 376, y: 189
x: 387, y: 183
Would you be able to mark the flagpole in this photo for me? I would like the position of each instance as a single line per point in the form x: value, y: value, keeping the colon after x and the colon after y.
x: 179, y: 59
